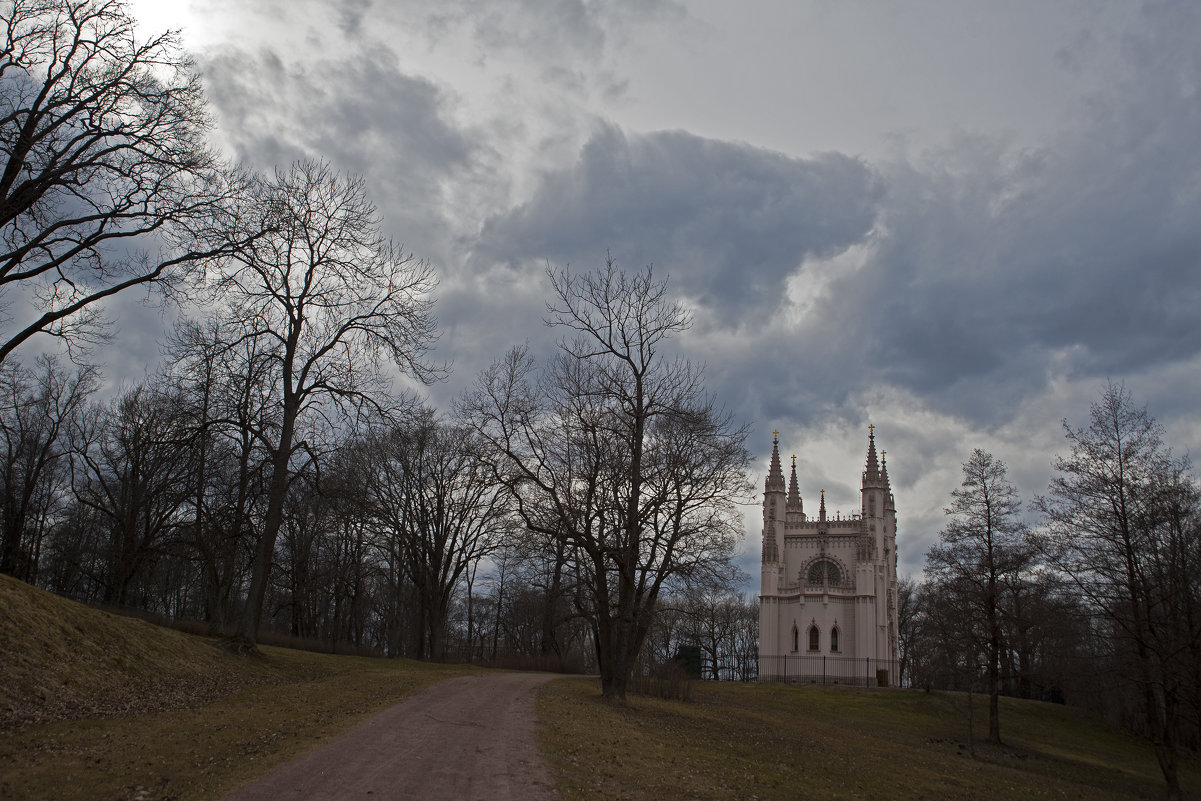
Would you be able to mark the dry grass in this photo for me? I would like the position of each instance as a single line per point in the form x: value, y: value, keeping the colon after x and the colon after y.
x: 780, y: 742
x: 97, y: 706
x: 94, y: 706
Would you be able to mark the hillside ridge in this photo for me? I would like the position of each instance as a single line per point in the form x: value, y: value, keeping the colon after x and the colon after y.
x: 64, y: 660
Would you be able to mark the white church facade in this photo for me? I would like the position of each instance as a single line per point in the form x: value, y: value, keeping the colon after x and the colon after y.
x: 828, y: 597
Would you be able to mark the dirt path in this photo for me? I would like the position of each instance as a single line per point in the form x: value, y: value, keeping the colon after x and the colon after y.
x: 468, y: 738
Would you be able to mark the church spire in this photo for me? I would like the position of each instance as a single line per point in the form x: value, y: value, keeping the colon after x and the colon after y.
x: 794, y: 498
x: 775, y: 475
x: 821, y: 512
x: 883, y: 468
x: 872, y: 470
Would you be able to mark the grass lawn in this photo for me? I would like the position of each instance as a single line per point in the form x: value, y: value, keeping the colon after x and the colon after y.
x: 94, y: 706
x: 808, y: 742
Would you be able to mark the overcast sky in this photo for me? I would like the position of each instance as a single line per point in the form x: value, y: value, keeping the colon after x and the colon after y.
x: 955, y: 220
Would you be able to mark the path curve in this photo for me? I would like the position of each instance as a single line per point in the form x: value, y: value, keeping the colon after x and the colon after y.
x: 469, y: 738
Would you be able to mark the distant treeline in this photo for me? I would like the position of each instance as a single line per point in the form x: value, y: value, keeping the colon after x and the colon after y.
x: 393, y: 542
x: 1097, y: 605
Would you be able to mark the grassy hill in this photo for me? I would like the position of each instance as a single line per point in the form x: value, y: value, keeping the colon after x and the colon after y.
x: 94, y: 706
x: 97, y: 706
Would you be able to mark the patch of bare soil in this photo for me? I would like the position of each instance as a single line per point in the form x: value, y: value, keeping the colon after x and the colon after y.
x: 466, y: 739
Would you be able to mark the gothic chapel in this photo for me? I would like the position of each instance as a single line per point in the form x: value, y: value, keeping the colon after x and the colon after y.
x: 828, y: 600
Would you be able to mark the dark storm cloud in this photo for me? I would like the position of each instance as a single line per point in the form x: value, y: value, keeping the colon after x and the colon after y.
x: 360, y: 113
x: 729, y: 222
x: 985, y: 272
x: 982, y: 271
x: 992, y: 272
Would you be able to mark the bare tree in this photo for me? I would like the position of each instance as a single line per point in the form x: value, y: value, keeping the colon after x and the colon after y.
x: 225, y: 395
x: 670, y: 629
x: 326, y: 298
x: 938, y: 653
x: 327, y: 556
x: 532, y: 618
x: 745, y: 641
x: 40, y: 410
x: 617, y: 452
x: 132, y: 475
x: 714, y: 623
x: 546, y: 567
x: 978, y: 549
x: 720, y: 624
x: 105, y: 175
x: 907, y: 626
x: 1122, y: 526
x: 354, y: 548
x: 443, y: 508
x: 301, y: 577
x: 1046, y: 635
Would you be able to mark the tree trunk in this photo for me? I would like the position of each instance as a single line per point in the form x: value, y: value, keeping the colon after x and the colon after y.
x: 1160, y: 724
x: 212, y: 594
x: 550, y: 640
x: 994, y: 665
x: 264, y: 551
x: 13, y: 523
x: 618, y: 651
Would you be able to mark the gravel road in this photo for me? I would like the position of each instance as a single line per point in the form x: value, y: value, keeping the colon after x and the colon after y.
x: 464, y: 739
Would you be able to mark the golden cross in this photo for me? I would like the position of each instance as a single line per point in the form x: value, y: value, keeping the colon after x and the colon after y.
x: 794, y: 460
x: 775, y: 433
x: 872, y: 428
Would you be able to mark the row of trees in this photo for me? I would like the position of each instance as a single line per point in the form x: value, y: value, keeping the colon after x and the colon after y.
x: 723, y: 628
x: 1100, y: 603
x: 271, y: 469
x: 157, y: 500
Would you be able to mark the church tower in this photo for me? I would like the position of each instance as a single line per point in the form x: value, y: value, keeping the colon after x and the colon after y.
x: 774, y: 515
x: 828, y: 591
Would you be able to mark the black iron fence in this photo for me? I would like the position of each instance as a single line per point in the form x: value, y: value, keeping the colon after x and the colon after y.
x: 821, y: 669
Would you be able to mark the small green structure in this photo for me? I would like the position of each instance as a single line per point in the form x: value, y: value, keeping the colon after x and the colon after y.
x: 688, y: 658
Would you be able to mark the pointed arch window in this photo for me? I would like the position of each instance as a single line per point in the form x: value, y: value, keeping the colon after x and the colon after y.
x: 796, y: 638
x: 824, y: 572
x: 834, y: 639
x: 814, y: 638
